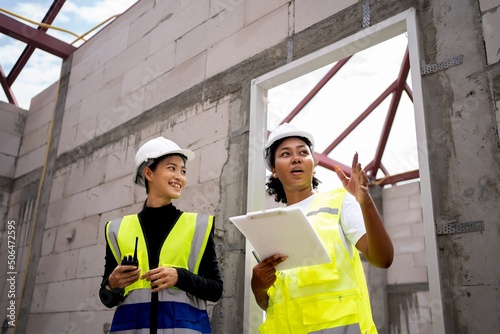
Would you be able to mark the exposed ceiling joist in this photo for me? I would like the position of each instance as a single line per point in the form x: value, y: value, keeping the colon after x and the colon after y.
x: 35, y: 37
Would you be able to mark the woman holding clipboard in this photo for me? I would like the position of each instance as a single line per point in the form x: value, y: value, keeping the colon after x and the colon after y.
x: 328, y: 298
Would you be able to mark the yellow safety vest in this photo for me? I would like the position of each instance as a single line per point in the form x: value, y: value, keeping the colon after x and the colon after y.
x: 332, y: 297
x: 183, y: 248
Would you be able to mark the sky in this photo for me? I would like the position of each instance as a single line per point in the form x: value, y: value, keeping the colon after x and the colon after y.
x: 43, y: 69
x: 365, y: 76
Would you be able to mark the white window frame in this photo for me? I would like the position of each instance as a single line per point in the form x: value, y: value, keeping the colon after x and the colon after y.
x: 404, y: 22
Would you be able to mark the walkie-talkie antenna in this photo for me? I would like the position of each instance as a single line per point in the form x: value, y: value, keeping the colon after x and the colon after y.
x: 135, y: 250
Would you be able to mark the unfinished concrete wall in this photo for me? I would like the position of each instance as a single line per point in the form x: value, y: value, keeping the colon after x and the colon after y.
x: 407, y: 281
x: 464, y: 155
x: 12, y: 125
x: 182, y: 69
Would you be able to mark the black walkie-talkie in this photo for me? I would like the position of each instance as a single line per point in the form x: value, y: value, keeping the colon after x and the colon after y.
x: 129, y: 260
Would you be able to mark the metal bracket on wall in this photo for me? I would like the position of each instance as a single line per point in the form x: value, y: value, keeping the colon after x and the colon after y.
x: 366, y: 13
x: 433, y: 68
x: 453, y: 228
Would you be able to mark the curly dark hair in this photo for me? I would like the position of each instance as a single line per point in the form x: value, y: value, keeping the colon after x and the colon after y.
x: 274, y: 185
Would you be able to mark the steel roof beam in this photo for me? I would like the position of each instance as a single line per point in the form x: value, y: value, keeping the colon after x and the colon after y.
x: 6, y: 88
x: 35, y: 37
x: 391, y: 114
x: 29, y: 49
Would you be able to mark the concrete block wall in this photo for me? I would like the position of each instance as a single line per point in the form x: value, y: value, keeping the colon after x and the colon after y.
x: 32, y: 128
x: 408, y: 291
x: 157, y: 50
x: 12, y: 124
x: 11, y: 132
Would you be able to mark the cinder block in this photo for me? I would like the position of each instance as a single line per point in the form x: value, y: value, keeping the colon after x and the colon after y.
x: 45, y: 100
x: 120, y: 163
x: 108, y: 196
x: 399, y: 231
x: 417, y: 230
x: 402, y: 261
x: 91, y: 261
x: 13, y: 120
x: 254, y: 38
x: 214, y: 30
x: 175, y: 81
x: 406, y: 276
x: 94, y: 170
x: 398, y: 191
x: 403, y: 217
x: 58, y: 184
x: 67, y: 140
x: 30, y: 161
x: 49, y: 238
x: 9, y: 144
x: 256, y: 10
x: 392, y: 205
x: 66, y: 210
x: 39, y: 118
x: 38, y: 300
x: 82, y: 233
x: 159, y: 61
x: 47, y: 323
x: 185, y: 133
x: 120, y: 112
x: 412, y: 245
x: 7, y: 165
x: 69, y: 295
x: 488, y: 4
x: 143, y: 18
x: 34, y: 139
x: 188, y: 15
x: 213, y: 158
x: 420, y: 259
x: 202, y: 198
x: 90, y: 321
x: 57, y: 267
x: 308, y: 12
x: 94, y: 302
x: 415, y: 201
x: 124, y: 62
x: 86, y: 88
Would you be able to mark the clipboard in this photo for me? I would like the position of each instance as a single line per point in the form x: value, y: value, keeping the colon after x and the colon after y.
x: 283, y: 231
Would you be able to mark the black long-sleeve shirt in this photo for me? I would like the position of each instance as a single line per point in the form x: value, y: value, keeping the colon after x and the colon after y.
x: 156, y: 224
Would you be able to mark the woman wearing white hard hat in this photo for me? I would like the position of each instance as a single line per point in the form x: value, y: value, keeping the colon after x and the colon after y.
x: 330, y: 298
x: 161, y: 267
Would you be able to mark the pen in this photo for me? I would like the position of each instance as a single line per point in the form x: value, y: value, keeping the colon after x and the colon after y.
x: 256, y: 256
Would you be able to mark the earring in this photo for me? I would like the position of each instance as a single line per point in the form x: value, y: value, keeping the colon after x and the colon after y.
x: 274, y: 175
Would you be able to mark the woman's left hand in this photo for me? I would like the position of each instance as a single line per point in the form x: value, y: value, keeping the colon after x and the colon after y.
x: 161, y: 278
x: 357, y: 184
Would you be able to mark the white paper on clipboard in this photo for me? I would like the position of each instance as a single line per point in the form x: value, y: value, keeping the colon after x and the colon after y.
x: 283, y: 231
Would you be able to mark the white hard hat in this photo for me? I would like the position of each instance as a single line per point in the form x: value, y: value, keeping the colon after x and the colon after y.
x: 285, y: 130
x: 153, y: 149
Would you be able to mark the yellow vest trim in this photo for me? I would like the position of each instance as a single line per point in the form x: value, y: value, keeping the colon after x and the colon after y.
x: 183, y: 247
x: 321, y: 297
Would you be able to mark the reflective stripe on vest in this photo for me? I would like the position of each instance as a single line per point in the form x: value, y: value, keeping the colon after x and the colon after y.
x: 332, y: 296
x: 183, y: 248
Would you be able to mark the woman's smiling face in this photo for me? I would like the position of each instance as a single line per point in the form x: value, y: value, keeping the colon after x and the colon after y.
x: 168, y: 179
